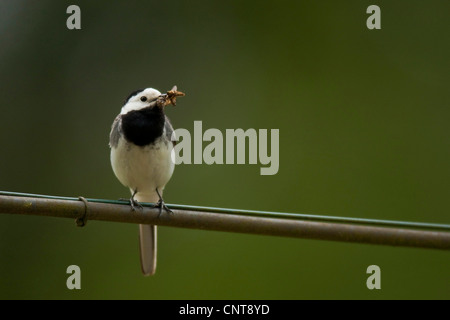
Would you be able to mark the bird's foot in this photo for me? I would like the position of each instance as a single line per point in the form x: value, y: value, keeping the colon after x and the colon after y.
x: 134, y: 204
x: 161, y: 205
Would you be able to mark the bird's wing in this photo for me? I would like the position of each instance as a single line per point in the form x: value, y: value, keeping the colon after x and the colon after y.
x: 170, y: 134
x: 116, y: 133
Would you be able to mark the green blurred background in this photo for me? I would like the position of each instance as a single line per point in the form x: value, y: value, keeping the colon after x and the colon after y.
x: 364, y: 132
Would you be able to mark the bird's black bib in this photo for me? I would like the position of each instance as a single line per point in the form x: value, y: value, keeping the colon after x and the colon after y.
x: 143, y: 127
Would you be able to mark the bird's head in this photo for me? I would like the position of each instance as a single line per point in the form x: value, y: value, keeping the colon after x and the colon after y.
x: 141, y: 99
x: 150, y: 97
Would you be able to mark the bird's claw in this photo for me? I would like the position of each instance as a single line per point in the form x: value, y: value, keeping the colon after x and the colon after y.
x: 134, y: 204
x: 161, y: 205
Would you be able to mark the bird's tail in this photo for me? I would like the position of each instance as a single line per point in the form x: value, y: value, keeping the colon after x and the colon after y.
x: 147, y: 239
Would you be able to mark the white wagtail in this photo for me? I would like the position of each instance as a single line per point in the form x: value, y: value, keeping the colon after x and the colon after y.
x: 141, y: 157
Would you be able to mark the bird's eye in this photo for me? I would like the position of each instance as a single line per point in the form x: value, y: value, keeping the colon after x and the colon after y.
x: 143, y: 99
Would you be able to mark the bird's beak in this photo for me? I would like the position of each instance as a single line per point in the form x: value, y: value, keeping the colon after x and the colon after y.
x: 169, y: 98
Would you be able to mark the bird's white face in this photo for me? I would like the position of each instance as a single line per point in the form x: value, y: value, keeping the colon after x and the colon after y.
x: 143, y: 99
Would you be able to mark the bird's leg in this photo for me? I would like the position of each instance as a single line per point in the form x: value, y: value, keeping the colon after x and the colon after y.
x: 134, y: 203
x: 160, y: 204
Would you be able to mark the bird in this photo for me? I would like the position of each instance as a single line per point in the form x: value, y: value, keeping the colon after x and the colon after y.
x: 142, y: 145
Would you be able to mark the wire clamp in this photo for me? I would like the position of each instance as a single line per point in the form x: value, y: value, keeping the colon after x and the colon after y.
x: 81, y: 221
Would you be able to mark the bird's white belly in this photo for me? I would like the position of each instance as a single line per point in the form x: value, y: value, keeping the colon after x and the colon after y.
x: 143, y: 168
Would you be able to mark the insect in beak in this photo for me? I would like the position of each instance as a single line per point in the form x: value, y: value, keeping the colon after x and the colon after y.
x: 170, y: 97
